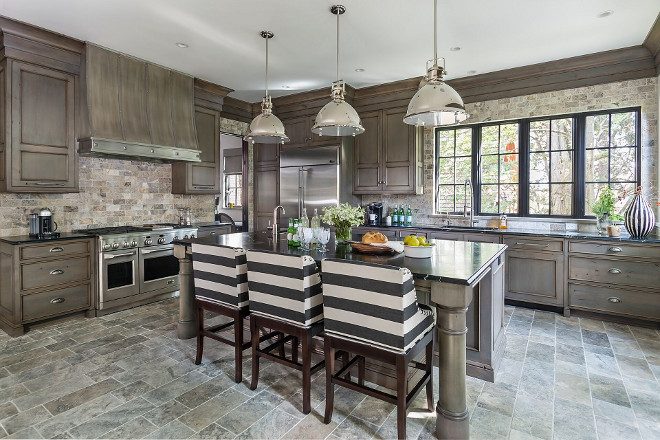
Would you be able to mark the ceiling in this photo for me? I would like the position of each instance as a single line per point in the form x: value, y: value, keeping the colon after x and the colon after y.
x: 389, y: 39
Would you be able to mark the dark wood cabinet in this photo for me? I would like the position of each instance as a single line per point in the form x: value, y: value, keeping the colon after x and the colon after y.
x: 39, y: 141
x: 266, y: 196
x: 202, y: 177
x: 388, y: 157
x: 266, y: 155
x: 299, y: 131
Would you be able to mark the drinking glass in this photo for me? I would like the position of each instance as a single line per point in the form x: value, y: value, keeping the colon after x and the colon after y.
x: 306, y: 237
x: 317, y: 231
x: 324, y: 238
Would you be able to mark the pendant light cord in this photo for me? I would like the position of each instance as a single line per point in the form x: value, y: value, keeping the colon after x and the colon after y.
x: 338, y: 14
x: 435, y: 32
x: 267, y: 38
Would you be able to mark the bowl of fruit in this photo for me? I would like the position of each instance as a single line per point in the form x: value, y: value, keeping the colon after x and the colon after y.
x: 417, y: 247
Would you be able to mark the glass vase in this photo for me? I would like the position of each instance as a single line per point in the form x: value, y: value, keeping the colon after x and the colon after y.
x: 342, y: 234
x: 602, y: 223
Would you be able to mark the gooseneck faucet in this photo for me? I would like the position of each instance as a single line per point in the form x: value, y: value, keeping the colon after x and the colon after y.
x: 276, y: 226
x: 467, y: 183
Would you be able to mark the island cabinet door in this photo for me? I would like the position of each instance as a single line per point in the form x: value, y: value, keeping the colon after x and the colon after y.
x: 536, y: 277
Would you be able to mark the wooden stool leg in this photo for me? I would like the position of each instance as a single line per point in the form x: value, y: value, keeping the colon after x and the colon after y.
x: 329, y: 386
x: 254, y: 331
x: 306, y: 370
x: 401, y: 393
x: 294, y: 350
x: 238, y: 347
x: 345, y: 358
x: 429, y: 370
x: 281, y: 336
x: 362, y: 370
x: 200, y: 337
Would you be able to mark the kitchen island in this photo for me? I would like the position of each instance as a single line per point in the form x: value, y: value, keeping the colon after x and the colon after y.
x: 463, y: 280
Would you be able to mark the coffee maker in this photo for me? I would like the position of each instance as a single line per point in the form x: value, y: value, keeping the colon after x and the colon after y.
x: 375, y: 214
x: 47, y: 226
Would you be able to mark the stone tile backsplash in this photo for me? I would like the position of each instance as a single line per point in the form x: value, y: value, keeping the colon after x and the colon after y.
x: 622, y: 94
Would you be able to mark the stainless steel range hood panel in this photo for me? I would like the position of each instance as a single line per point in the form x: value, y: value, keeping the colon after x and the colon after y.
x: 109, y: 148
x: 136, y: 110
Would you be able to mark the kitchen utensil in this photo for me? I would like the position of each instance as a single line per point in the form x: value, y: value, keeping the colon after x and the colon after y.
x: 46, y: 224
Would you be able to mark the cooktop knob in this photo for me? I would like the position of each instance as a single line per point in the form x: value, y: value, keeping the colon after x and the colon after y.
x: 125, y: 244
x: 148, y: 241
x: 185, y: 237
x: 106, y: 247
x: 176, y: 237
x: 133, y: 243
x: 161, y: 240
x: 192, y: 235
x: 115, y: 245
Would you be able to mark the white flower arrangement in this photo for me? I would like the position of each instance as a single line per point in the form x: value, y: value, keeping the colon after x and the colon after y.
x: 343, y: 215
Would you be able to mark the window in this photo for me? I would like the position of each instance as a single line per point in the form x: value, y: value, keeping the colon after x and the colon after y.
x: 454, y: 167
x: 499, y: 170
x: 552, y: 167
x: 611, y: 155
x: 233, y: 190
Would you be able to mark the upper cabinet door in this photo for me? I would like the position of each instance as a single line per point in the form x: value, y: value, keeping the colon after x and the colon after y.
x: 298, y: 131
x: 267, y: 155
x: 103, y: 84
x: 183, y: 111
x: 367, y: 178
x: 159, y: 101
x: 399, y: 153
x: 43, y: 155
x: 133, y: 97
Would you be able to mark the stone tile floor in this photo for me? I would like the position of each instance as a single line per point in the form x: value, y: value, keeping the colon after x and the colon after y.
x: 126, y: 375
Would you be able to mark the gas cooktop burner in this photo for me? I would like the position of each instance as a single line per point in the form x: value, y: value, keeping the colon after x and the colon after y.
x: 114, y: 230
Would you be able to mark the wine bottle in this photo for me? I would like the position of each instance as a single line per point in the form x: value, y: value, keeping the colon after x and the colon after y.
x: 304, y: 220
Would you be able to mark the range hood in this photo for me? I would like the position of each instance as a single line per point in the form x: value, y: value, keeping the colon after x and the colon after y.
x: 132, y: 109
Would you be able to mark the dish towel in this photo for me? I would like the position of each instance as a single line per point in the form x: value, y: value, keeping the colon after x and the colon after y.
x: 396, y: 246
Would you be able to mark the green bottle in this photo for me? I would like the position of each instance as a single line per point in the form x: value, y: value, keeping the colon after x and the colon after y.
x: 295, y: 239
x: 409, y: 217
x: 395, y: 216
x: 289, y: 233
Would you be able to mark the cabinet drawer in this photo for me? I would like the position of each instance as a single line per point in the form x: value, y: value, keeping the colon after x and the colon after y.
x: 481, y: 238
x: 55, y: 249
x: 452, y: 236
x: 614, y: 249
x: 48, y: 273
x: 535, y: 277
x: 56, y: 302
x: 632, y: 273
x: 633, y: 303
x: 534, y: 244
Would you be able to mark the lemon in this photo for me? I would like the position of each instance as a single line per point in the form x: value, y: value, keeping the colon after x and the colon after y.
x: 422, y: 240
x: 407, y: 239
x: 413, y: 242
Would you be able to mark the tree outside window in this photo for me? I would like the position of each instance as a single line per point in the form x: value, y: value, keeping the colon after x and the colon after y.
x: 500, y: 169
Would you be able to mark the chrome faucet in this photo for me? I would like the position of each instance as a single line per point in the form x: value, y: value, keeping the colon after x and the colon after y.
x: 276, y: 226
x: 467, y: 183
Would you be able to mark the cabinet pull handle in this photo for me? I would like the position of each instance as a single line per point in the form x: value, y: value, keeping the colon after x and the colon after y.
x: 57, y: 249
x: 170, y: 282
x: 213, y: 232
x: 615, y: 249
x: 203, y: 187
x: 521, y: 243
x: 614, y: 300
x: 56, y: 272
x: 57, y: 300
x: 614, y: 271
x: 47, y: 184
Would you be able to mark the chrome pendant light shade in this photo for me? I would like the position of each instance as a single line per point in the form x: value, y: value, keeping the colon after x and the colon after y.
x: 266, y: 128
x: 436, y: 103
x: 338, y: 117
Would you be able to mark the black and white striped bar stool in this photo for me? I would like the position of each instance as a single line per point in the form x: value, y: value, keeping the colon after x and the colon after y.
x: 285, y: 296
x: 220, y: 274
x: 371, y: 312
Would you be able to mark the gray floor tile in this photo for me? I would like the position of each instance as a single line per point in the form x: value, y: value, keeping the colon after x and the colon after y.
x: 499, y: 398
x: 645, y: 333
x: 112, y: 419
x: 241, y: 418
x: 634, y: 367
x: 373, y: 410
x: 313, y: 428
x: 81, y: 396
x: 210, y: 411
x: 136, y: 428
x: 573, y: 420
x: 57, y: 425
x: 601, y: 364
x: 595, y: 338
x: 490, y: 422
x: 648, y: 430
x: 174, y: 389
x: 354, y: 428
x: 214, y: 431
x: 165, y: 413
x: 608, y: 389
x: 644, y: 403
x: 533, y: 417
x: 619, y: 413
x: 173, y: 430
x: 541, y: 352
x: 7, y: 409
x: 25, y: 419
x: 573, y: 388
x: 612, y: 430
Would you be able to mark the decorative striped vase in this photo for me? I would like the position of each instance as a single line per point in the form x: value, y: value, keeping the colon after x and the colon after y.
x: 639, y: 217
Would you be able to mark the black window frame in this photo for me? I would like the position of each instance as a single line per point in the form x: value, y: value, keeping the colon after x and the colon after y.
x: 579, y: 163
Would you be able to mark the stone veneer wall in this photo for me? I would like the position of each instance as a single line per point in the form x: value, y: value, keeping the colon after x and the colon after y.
x: 632, y: 93
x: 113, y: 192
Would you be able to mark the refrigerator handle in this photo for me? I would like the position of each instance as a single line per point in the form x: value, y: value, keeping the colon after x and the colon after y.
x: 300, y: 191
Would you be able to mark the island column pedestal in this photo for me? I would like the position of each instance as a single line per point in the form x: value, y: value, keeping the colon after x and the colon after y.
x: 187, y: 325
x: 451, y: 301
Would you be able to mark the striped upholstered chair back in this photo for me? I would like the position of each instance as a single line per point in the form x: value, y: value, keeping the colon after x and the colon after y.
x: 373, y: 303
x: 220, y: 274
x: 285, y: 287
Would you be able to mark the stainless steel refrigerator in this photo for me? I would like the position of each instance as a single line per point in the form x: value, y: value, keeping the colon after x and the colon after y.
x: 315, y: 177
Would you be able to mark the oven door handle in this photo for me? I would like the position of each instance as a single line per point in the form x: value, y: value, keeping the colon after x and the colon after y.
x: 151, y: 251
x: 111, y: 256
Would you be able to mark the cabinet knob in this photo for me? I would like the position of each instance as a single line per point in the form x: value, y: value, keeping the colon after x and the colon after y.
x: 614, y: 300
x: 56, y: 272
x: 56, y: 249
x: 57, y: 300
x: 615, y: 249
x: 614, y: 271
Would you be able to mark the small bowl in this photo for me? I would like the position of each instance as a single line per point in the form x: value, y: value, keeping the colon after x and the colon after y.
x: 418, y: 251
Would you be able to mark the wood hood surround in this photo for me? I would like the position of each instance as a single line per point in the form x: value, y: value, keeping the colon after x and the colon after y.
x: 135, y: 109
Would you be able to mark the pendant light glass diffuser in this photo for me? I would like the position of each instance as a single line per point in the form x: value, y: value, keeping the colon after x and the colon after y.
x: 266, y: 128
x: 338, y: 117
x: 435, y: 103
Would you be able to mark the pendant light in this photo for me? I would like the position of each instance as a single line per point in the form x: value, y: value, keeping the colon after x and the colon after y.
x: 338, y: 117
x: 266, y: 128
x: 435, y: 103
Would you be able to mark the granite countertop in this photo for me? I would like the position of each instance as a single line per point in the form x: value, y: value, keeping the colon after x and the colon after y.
x: 455, y: 262
x: 26, y: 239
x: 651, y: 238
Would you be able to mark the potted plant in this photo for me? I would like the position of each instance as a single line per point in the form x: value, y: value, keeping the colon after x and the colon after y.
x: 343, y: 217
x: 603, y: 208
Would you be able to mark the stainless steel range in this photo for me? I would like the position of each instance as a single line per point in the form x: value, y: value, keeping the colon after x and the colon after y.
x: 137, y: 264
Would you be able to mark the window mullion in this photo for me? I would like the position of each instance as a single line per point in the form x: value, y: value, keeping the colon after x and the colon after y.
x: 579, y: 165
x: 523, y: 170
x: 476, y: 168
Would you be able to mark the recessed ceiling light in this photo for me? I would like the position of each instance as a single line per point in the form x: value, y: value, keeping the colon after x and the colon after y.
x: 605, y: 13
x: 455, y: 49
x: 359, y: 70
x: 182, y: 45
x: 471, y: 72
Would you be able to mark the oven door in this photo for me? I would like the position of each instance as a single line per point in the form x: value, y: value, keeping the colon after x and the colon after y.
x: 159, y: 269
x: 119, y: 275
